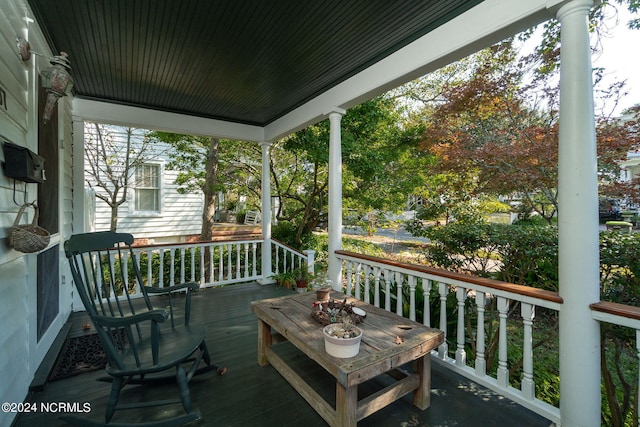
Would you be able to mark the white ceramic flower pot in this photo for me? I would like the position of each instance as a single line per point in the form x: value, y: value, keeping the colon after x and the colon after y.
x: 341, y: 347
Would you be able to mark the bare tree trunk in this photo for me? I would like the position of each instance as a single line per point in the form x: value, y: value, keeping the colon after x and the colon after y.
x: 114, y: 217
x: 111, y: 169
x: 209, y: 190
x: 209, y: 208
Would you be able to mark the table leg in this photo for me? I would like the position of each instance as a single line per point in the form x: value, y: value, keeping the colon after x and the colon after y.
x: 264, y: 341
x: 422, y: 395
x: 346, y: 405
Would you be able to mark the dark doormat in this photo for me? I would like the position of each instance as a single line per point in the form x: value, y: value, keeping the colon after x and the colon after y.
x: 79, y: 355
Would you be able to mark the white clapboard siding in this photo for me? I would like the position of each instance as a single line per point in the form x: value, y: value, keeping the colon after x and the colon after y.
x: 181, y: 214
x: 14, y: 308
x: 22, y: 351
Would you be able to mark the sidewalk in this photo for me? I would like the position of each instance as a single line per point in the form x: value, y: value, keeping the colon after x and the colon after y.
x: 391, y: 241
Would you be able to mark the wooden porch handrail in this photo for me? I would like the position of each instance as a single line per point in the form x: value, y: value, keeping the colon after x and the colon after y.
x: 616, y: 309
x: 481, y: 281
x: 197, y: 242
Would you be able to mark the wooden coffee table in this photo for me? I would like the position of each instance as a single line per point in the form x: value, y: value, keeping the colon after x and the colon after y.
x: 389, y: 341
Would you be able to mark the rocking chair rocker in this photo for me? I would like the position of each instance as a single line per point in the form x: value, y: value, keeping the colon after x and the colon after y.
x: 141, y: 346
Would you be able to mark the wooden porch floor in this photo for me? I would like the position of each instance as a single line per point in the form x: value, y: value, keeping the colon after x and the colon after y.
x: 249, y: 395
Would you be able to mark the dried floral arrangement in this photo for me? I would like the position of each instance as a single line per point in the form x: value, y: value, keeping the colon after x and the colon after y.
x: 334, y: 311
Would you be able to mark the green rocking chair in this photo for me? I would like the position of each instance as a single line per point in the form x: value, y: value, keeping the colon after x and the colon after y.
x: 143, y: 344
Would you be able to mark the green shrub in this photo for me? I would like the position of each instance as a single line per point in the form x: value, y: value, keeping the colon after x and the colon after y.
x: 240, y: 216
x: 285, y: 232
x: 531, y: 220
x: 515, y: 254
x: 528, y: 255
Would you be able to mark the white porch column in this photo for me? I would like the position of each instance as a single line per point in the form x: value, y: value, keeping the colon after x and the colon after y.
x: 578, y: 224
x: 335, y: 197
x: 79, y: 214
x: 266, y: 216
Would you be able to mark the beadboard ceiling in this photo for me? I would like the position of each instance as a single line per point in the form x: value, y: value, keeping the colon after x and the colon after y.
x: 243, y: 61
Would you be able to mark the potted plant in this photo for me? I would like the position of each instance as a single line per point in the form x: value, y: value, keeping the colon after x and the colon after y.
x: 286, y: 279
x: 302, y: 279
x: 322, y: 285
x: 342, y: 339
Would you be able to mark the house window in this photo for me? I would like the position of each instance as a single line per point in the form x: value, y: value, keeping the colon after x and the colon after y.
x: 147, y: 188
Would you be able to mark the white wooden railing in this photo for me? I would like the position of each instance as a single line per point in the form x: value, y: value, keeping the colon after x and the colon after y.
x: 210, y: 264
x: 206, y: 263
x: 394, y: 285
x: 621, y: 315
x: 286, y: 258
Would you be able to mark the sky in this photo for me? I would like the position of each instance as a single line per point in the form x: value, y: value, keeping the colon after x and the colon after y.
x: 618, y: 53
x: 620, y: 57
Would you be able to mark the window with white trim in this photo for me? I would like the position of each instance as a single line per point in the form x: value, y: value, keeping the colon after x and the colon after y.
x: 146, y: 192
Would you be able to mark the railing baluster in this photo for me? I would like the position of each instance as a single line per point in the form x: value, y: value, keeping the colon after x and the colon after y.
x: 212, y: 266
x: 149, y: 268
x: 412, y: 297
x: 221, y: 263
x: 138, y: 259
x: 528, y: 312
x: 367, y: 284
x: 238, y: 252
x: 125, y: 272
x: 172, y: 267
x: 461, y: 354
x: 481, y: 364
x: 349, y: 271
x: 246, y: 260
x: 161, y: 269
x: 284, y: 261
x: 503, y: 372
x: 202, y: 264
x: 387, y: 289
x: 229, y: 261
x: 193, y: 264
x: 376, y: 295
x: 399, y: 302
x: 358, y: 284
x: 443, y: 290
x: 254, y: 263
x: 426, y: 307
x: 182, y: 266
x: 112, y: 268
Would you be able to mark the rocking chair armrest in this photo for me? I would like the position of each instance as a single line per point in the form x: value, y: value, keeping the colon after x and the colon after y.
x: 157, y: 316
x: 191, y: 286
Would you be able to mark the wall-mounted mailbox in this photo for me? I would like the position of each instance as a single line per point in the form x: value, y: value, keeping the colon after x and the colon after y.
x: 22, y: 163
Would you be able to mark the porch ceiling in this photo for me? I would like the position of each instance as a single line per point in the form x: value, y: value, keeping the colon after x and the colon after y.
x: 242, y: 61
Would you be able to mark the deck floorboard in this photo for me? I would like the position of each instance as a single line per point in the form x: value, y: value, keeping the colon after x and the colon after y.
x: 250, y: 395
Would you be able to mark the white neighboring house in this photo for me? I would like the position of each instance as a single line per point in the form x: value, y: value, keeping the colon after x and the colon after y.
x: 630, y: 167
x: 154, y: 212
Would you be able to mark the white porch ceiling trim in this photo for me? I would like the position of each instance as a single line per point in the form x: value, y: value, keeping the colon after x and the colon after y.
x: 480, y: 27
x: 124, y: 115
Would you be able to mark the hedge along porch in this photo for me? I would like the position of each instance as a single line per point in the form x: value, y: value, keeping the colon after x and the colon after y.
x: 439, y: 36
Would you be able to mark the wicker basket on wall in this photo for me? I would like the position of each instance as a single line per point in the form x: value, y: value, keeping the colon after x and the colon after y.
x: 28, y: 238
